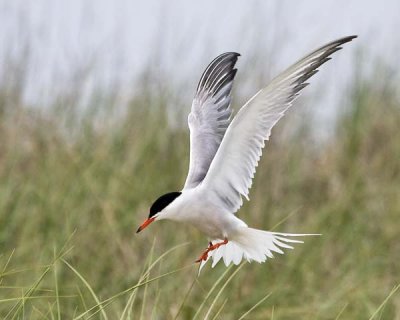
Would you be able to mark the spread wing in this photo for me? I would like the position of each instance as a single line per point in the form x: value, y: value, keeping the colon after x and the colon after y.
x: 210, y: 115
x: 231, y: 172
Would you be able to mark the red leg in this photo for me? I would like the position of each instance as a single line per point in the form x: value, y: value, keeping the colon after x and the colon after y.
x: 211, y: 247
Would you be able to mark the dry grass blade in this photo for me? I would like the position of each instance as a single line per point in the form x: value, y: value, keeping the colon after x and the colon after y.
x: 215, y: 285
x: 146, y: 273
x: 105, y: 302
x: 6, y: 300
x: 16, y: 309
x: 220, y: 309
x: 56, y: 289
x: 341, y: 311
x: 126, y: 313
x: 87, y: 285
x: 384, y: 302
x: 222, y: 289
x: 6, y: 265
x: 185, y: 298
x: 255, y: 306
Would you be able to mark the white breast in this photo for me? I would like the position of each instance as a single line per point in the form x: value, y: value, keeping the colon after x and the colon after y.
x: 201, y: 210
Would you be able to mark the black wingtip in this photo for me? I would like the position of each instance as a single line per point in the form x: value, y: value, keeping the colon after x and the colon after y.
x: 220, y: 71
x: 349, y: 38
x: 327, y: 50
x: 345, y: 39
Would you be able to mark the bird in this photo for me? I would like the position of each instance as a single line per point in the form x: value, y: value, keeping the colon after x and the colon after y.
x: 224, y: 154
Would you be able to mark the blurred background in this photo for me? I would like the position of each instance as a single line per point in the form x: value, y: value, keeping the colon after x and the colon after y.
x: 94, y: 97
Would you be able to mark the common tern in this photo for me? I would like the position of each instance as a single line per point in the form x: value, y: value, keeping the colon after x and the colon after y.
x: 224, y: 155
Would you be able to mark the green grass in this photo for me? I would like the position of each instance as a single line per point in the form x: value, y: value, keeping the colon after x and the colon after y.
x: 75, y: 185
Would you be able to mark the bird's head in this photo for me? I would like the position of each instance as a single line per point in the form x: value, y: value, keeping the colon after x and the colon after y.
x: 157, y: 210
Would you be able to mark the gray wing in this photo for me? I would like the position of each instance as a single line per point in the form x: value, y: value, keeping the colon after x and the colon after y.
x: 210, y: 115
x: 231, y: 172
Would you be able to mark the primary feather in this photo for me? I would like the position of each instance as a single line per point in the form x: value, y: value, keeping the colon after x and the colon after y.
x: 210, y: 115
x: 232, y: 169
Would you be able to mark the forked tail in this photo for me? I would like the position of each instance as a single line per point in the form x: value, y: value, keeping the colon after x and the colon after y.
x: 252, y: 245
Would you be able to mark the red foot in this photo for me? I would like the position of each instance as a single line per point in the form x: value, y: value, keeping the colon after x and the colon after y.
x: 211, y: 247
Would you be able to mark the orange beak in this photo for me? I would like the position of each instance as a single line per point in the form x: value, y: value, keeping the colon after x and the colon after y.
x: 145, y: 224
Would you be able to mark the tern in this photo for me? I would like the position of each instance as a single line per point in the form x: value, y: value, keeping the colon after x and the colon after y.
x: 224, y: 155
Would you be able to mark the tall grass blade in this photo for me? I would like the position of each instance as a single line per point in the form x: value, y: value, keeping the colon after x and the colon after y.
x: 6, y: 265
x: 105, y: 302
x: 384, y: 302
x: 87, y: 285
x: 341, y: 311
x: 255, y: 306
x: 185, y: 298
x: 56, y: 288
x: 20, y: 304
x: 215, y: 285
x: 222, y: 289
x: 220, y: 309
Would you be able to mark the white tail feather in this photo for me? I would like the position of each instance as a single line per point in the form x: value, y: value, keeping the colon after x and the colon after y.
x: 252, y: 245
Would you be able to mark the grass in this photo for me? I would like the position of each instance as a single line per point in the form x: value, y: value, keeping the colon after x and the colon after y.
x: 75, y: 185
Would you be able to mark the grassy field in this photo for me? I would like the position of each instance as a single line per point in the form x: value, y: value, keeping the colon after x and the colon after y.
x: 75, y: 185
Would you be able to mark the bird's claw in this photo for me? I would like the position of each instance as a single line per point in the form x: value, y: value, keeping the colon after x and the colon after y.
x: 203, y: 257
x: 211, y: 247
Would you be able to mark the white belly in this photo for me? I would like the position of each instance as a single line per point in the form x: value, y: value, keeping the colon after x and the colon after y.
x: 196, y: 208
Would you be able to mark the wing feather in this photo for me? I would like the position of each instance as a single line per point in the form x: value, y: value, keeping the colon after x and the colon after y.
x: 233, y: 167
x: 210, y: 115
